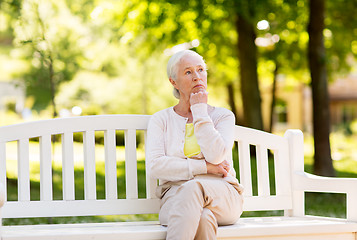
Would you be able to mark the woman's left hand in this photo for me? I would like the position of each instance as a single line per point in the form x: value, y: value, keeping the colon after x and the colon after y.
x: 199, y: 97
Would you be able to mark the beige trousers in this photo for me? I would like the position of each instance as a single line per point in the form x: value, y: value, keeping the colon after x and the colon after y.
x: 194, y: 209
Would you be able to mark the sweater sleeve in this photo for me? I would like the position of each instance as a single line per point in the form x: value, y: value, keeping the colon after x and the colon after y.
x: 168, y: 168
x: 215, y: 139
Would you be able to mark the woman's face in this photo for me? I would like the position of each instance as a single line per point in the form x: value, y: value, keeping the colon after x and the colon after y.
x: 191, y: 76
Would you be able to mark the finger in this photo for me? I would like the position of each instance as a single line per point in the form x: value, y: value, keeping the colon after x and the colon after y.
x: 224, y: 172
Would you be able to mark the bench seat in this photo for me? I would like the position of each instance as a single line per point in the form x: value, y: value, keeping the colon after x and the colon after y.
x: 308, y: 227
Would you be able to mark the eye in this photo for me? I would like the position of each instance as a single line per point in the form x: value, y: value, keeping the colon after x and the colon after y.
x: 188, y: 72
x: 200, y: 69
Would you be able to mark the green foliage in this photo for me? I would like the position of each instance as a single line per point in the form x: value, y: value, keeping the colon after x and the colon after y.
x: 123, y: 41
x: 53, y: 53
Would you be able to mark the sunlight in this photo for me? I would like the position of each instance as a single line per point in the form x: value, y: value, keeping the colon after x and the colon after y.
x: 263, y: 25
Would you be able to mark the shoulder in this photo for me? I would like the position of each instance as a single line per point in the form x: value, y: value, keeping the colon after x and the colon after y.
x: 162, y: 113
x: 161, y: 116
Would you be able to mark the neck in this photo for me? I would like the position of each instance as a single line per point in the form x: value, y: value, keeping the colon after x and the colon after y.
x: 183, y: 109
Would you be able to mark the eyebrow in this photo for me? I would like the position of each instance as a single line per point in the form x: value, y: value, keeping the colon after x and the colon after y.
x: 190, y: 67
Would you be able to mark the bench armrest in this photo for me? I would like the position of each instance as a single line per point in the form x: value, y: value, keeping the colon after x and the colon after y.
x: 2, y: 195
x: 312, y: 183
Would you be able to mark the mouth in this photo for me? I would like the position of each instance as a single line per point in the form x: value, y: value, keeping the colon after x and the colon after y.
x: 199, y: 86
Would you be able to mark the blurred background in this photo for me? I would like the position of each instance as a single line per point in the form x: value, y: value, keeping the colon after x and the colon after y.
x: 277, y: 64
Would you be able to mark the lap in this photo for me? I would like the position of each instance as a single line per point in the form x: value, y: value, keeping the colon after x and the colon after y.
x: 217, y: 195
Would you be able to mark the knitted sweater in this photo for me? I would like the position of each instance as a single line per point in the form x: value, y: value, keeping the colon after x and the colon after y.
x: 214, y: 130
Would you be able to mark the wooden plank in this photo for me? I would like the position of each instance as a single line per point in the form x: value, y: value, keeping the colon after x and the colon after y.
x: 45, y: 168
x: 146, y: 230
x: 282, y: 176
x: 73, y: 124
x: 257, y: 137
x: 90, y: 189
x: 131, y: 164
x: 245, y: 167
x: 59, y: 208
x: 3, y: 168
x: 151, y: 183
x: 295, y: 140
x: 246, y: 228
x: 268, y: 203
x: 262, y: 171
x: 111, y: 191
x: 67, y: 166
x: 23, y: 167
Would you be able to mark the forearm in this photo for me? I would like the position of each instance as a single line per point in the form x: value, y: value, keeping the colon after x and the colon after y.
x: 168, y: 165
x: 176, y: 169
x: 216, y: 142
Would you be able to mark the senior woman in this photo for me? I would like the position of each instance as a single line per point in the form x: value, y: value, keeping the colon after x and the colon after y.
x: 190, y: 151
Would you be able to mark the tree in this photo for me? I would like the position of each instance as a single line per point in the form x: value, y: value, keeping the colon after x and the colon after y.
x: 321, y: 114
x: 247, y: 52
x: 50, y: 48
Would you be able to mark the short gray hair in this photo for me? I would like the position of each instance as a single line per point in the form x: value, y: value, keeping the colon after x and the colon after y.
x: 172, y: 66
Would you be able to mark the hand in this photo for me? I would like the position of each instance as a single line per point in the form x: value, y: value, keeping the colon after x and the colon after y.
x: 199, y: 97
x: 219, y: 169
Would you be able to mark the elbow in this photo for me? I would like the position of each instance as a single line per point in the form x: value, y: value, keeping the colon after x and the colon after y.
x: 152, y: 169
x: 153, y: 173
x: 217, y: 157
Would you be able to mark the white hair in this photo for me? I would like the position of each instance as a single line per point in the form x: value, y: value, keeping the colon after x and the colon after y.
x: 172, y: 66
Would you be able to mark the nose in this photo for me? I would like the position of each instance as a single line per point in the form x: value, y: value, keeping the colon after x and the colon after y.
x: 195, y: 76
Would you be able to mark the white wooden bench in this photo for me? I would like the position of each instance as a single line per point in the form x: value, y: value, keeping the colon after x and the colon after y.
x: 290, y: 184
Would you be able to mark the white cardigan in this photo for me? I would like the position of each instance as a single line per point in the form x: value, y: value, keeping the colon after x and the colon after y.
x: 214, y: 128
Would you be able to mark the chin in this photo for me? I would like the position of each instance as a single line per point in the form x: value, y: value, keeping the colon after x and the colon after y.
x: 198, y: 89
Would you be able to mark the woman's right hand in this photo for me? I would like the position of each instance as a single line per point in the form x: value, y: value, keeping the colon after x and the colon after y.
x: 219, y: 169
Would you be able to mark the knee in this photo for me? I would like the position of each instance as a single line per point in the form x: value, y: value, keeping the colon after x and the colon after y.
x: 208, y: 218
x: 208, y: 223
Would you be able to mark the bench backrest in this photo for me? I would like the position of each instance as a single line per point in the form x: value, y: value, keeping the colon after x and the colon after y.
x: 266, y: 197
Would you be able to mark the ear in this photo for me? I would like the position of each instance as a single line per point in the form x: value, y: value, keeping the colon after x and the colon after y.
x: 173, y: 83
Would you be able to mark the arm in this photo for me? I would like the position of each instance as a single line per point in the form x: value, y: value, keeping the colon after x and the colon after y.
x: 312, y: 183
x: 169, y: 168
x: 216, y: 142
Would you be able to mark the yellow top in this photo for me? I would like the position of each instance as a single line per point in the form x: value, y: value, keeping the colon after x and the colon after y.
x: 191, y: 147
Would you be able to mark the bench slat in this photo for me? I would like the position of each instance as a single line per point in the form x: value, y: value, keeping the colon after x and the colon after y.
x: 267, y: 203
x: 151, y: 183
x: 80, y: 208
x: 90, y: 188
x: 131, y: 164
x: 245, y: 167
x: 23, y: 167
x: 253, y: 228
x: 263, y: 171
x: 111, y: 191
x: 282, y: 175
x: 67, y: 166
x: 45, y: 168
x: 3, y: 167
x: 73, y: 124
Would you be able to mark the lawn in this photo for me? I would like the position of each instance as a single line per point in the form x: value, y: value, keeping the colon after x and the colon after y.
x: 322, y: 204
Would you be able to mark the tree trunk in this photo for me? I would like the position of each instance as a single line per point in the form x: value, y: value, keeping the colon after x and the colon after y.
x: 247, y: 52
x: 321, y: 114
x: 273, y: 98
x: 52, y: 86
x: 231, y: 101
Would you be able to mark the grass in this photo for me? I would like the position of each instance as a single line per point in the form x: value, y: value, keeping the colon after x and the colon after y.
x: 320, y: 204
